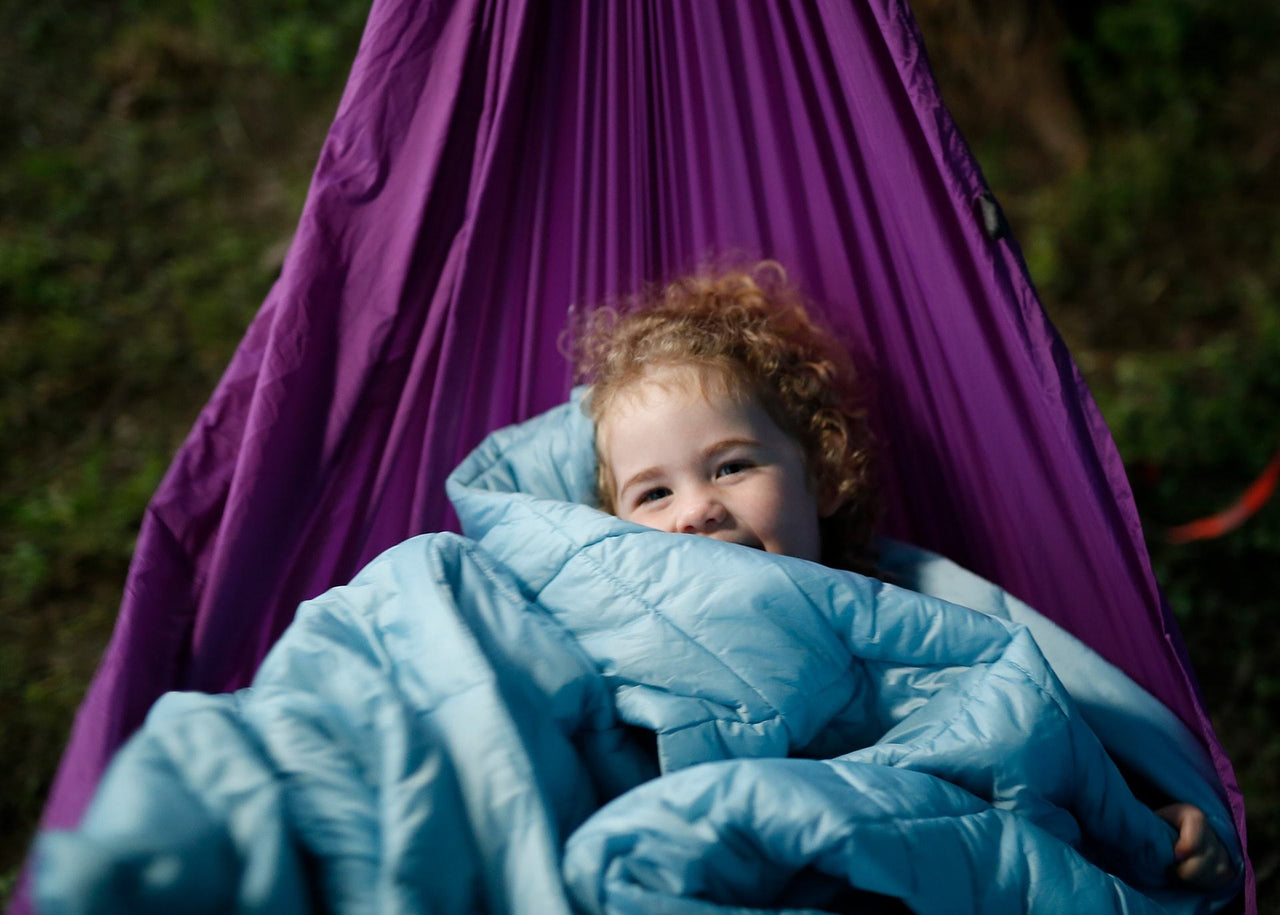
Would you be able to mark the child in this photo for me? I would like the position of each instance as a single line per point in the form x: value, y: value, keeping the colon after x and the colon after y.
x: 723, y: 410
x: 738, y: 347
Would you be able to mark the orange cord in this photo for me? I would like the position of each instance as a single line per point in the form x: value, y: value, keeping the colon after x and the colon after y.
x: 1235, y: 515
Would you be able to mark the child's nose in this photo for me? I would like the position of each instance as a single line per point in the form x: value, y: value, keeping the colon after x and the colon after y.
x: 701, y: 513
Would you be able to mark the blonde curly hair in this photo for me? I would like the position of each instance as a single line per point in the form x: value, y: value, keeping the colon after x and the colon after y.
x: 751, y: 327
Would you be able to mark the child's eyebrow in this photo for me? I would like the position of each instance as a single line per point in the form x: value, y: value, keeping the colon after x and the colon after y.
x: 644, y: 476
x: 652, y: 473
x: 726, y: 444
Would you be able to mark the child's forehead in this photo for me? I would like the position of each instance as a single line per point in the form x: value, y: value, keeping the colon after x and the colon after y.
x: 660, y: 382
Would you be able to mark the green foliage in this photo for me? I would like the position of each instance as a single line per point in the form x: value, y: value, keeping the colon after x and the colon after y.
x: 1155, y: 243
x: 1132, y: 68
x: 1196, y: 427
x: 1159, y: 260
x: 149, y: 155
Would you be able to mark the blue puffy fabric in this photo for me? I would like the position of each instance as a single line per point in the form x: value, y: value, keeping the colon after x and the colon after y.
x: 463, y: 727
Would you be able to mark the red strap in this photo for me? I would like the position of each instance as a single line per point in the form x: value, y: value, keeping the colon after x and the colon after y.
x: 1232, y: 517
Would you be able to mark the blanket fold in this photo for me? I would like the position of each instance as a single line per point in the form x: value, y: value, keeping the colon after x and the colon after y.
x: 884, y: 830
x: 459, y: 730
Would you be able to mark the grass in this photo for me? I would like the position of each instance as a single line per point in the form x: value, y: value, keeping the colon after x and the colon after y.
x: 1157, y: 256
x: 153, y: 161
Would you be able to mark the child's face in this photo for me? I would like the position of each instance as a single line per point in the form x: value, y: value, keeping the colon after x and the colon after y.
x: 688, y: 457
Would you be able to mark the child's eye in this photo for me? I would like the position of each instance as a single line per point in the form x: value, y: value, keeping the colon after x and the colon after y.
x: 732, y: 467
x: 653, y: 495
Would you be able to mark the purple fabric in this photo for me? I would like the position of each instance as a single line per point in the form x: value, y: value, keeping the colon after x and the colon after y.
x: 493, y: 163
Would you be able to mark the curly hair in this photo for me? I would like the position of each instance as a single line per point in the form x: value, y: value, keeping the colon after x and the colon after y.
x: 751, y: 327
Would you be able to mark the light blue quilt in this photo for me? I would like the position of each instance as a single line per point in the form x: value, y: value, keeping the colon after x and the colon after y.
x: 563, y: 712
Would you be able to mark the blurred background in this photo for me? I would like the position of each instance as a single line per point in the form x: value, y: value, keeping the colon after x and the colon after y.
x: 154, y: 158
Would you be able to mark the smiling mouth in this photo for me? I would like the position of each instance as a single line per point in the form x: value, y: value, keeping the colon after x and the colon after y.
x: 750, y: 544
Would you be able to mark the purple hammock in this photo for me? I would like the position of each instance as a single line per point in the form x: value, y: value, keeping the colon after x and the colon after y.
x: 494, y: 162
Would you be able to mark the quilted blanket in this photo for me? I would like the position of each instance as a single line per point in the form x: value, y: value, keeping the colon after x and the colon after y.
x: 563, y: 712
